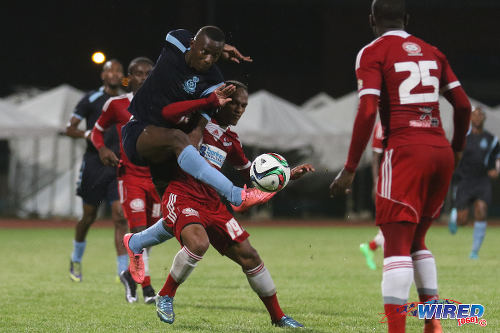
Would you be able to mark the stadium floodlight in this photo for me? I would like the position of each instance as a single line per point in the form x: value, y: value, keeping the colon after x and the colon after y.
x: 98, y: 57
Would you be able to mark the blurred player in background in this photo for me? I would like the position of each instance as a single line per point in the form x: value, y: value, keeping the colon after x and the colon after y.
x: 479, y: 165
x: 185, y: 79
x: 97, y: 182
x: 140, y: 202
x: 402, y: 76
x: 197, y: 217
x: 369, y: 248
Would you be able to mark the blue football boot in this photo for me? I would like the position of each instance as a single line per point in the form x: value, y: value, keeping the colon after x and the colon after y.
x: 286, y: 321
x: 165, y: 309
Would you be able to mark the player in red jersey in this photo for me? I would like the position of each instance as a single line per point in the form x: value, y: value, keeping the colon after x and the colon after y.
x: 403, y: 76
x: 369, y: 248
x: 138, y: 197
x: 198, y: 217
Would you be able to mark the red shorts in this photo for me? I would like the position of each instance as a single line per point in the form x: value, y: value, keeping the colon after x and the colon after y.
x: 413, y: 182
x: 140, y: 202
x: 222, y: 228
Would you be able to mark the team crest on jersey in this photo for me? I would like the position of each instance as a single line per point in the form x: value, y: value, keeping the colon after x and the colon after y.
x: 412, y: 49
x: 190, y: 85
x: 137, y: 205
x: 190, y: 212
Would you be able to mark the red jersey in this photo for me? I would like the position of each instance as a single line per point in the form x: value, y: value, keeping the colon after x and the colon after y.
x: 115, y: 111
x: 219, y: 144
x: 378, y: 138
x: 408, y: 75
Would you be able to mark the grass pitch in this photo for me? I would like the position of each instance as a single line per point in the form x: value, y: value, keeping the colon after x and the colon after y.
x: 321, y: 278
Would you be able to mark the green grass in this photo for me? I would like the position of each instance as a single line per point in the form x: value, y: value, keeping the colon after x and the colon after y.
x: 320, y: 275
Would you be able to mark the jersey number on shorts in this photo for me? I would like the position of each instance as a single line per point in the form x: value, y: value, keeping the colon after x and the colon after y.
x: 233, y: 228
x: 419, y: 73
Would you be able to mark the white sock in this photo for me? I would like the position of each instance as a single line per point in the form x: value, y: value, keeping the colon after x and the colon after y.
x: 396, y: 279
x: 425, y: 274
x: 184, y: 263
x: 145, y: 257
x: 379, y: 239
x: 261, y: 281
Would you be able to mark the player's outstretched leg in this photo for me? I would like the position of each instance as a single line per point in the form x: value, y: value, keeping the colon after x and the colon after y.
x: 79, y: 243
x: 130, y: 286
x: 478, y: 237
x: 261, y: 282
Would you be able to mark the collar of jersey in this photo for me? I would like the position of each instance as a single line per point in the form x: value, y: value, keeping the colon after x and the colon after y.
x: 400, y: 33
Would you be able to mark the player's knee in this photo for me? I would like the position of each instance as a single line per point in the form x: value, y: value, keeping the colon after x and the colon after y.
x: 249, y: 259
x: 88, y: 219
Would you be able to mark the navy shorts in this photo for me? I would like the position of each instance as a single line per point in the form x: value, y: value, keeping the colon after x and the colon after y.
x: 96, y: 181
x: 469, y: 191
x: 130, y: 134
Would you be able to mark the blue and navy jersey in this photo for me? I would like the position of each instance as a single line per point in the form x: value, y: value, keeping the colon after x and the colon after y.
x: 172, y: 80
x: 90, y: 108
x: 480, y: 154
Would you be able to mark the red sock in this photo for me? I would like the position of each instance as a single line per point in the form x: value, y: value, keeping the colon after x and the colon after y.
x: 425, y: 298
x: 170, y: 287
x: 396, y: 321
x: 273, y: 307
x: 147, y: 281
x: 373, y: 245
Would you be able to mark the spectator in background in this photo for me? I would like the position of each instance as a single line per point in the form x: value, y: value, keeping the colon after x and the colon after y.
x: 479, y: 165
x: 97, y: 182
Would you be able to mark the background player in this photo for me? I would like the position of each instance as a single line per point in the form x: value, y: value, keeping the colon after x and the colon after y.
x: 369, y: 248
x: 403, y: 75
x: 97, y: 182
x: 183, y: 81
x: 474, y: 174
x: 140, y: 202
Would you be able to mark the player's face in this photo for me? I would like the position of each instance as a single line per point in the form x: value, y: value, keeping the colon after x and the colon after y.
x: 477, y: 118
x: 231, y: 113
x: 204, y: 53
x: 112, y: 74
x: 138, y: 74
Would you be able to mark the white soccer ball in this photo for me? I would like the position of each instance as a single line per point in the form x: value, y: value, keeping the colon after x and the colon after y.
x: 270, y: 172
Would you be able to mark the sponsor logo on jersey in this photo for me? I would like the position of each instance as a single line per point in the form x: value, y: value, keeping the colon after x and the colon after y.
x: 190, y: 212
x: 214, y: 155
x: 190, y: 85
x: 137, y: 205
x: 412, y: 49
x: 443, y: 309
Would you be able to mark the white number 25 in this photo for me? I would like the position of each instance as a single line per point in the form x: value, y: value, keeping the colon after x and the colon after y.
x: 419, y: 73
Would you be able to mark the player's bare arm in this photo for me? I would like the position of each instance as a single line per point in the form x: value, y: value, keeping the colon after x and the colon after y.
x: 231, y: 53
x: 341, y: 185
x: 301, y: 170
x: 73, y: 131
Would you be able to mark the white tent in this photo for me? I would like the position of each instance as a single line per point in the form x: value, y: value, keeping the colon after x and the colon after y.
x: 13, y: 123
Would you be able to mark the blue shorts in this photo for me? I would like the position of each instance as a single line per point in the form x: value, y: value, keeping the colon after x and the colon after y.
x: 469, y: 191
x: 96, y: 181
x: 130, y: 134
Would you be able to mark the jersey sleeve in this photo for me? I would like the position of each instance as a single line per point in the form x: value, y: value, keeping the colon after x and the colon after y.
x: 107, y: 117
x: 495, y: 154
x: 82, y: 109
x: 179, y: 39
x: 448, y: 78
x: 368, y: 72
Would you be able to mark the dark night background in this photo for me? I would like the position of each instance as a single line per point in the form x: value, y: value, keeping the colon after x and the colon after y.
x: 299, y: 47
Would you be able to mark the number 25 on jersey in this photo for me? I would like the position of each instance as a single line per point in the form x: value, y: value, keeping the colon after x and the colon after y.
x: 419, y: 73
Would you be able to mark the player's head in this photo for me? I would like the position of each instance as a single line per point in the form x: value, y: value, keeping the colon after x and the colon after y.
x: 138, y: 71
x: 112, y: 73
x: 388, y: 15
x: 205, y: 48
x: 232, y: 111
x: 477, y: 117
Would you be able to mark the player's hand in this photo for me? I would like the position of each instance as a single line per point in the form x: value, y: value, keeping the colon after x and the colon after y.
x: 342, y: 183
x: 108, y: 157
x: 458, y: 156
x: 493, y: 174
x: 230, y: 53
x: 222, y: 94
x: 301, y: 170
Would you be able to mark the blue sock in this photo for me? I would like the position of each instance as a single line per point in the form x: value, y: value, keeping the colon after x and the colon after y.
x: 122, y: 263
x: 78, y: 249
x: 151, y: 236
x: 193, y: 163
x: 479, y: 232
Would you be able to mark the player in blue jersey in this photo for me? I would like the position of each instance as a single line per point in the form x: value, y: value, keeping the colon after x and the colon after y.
x: 185, y: 86
x: 97, y: 182
x: 479, y: 165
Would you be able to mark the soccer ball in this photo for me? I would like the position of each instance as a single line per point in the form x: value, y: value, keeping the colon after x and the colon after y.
x: 270, y: 172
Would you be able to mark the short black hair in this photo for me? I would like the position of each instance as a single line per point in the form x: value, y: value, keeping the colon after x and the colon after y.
x: 237, y: 84
x: 110, y: 61
x: 389, y: 10
x: 139, y: 60
x: 212, y: 32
